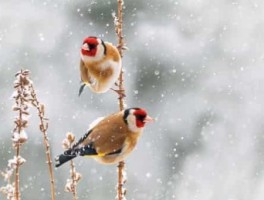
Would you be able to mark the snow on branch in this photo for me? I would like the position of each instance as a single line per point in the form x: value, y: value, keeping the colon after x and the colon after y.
x: 24, y: 96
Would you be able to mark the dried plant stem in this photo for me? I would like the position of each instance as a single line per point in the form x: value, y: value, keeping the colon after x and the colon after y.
x: 43, y: 128
x: 75, y: 177
x: 17, y: 181
x: 74, y: 182
x: 19, y: 103
x: 121, y: 180
x: 24, y: 96
x: 17, y: 187
x: 120, y: 46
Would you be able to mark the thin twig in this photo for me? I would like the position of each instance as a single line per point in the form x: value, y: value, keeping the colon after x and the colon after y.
x: 119, y: 32
x: 75, y: 177
x: 120, y: 46
x: 74, y: 183
x: 121, y: 181
x: 17, y: 181
x: 43, y: 128
x: 71, y: 139
x: 21, y: 101
x: 24, y: 95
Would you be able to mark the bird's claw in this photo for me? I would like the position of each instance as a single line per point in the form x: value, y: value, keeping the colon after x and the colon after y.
x: 91, y: 81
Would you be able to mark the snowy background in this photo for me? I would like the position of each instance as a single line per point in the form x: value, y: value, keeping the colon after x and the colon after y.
x: 197, y: 66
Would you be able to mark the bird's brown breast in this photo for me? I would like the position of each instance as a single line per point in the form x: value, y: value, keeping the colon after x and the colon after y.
x: 112, y: 52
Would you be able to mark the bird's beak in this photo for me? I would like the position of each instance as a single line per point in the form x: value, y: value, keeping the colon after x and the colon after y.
x: 85, y: 47
x: 149, y: 119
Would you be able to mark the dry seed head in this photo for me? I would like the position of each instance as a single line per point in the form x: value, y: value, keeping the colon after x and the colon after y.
x: 20, y: 138
x: 66, y: 144
x: 70, y: 137
x: 78, y: 177
x: 7, y: 174
x: 42, y: 109
x: 8, y: 190
x: 68, y: 186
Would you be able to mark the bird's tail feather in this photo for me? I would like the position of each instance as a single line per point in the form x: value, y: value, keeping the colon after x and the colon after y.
x: 65, y: 157
x: 81, y: 88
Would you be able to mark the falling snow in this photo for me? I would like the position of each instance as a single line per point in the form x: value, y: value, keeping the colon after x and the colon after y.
x: 198, y: 71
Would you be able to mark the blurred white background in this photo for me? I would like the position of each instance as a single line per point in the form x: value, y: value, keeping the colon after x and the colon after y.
x: 197, y: 66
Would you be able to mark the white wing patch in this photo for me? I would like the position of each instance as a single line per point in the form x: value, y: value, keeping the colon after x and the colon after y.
x: 95, y: 122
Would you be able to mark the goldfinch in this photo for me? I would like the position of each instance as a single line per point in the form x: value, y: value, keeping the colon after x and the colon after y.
x: 110, y: 139
x: 100, y: 65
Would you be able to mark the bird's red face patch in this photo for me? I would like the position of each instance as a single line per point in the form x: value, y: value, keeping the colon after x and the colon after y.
x: 140, y: 115
x: 89, y: 47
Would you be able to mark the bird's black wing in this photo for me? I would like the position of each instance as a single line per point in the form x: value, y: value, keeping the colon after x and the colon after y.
x: 69, y: 154
x: 82, y: 139
x: 87, y: 150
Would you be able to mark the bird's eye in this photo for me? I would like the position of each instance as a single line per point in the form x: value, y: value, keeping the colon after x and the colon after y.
x: 140, y: 117
x: 92, y: 46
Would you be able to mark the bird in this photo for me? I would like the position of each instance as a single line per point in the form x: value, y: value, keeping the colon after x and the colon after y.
x: 100, y: 65
x: 111, y: 139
